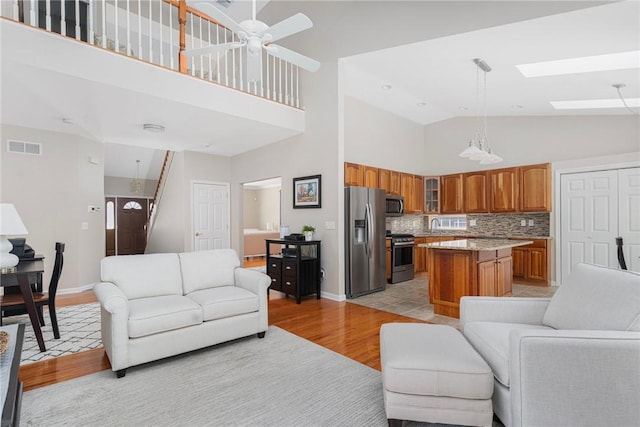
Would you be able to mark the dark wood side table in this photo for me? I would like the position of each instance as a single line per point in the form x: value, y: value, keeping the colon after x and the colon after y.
x: 23, y: 271
x: 9, y: 365
x: 295, y: 268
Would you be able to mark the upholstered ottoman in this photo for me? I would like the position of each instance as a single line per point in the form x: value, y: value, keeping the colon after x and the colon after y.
x: 430, y: 373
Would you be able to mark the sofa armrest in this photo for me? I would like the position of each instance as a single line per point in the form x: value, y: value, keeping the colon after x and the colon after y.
x: 503, y: 310
x: 258, y: 283
x: 114, y: 323
x: 568, y: 377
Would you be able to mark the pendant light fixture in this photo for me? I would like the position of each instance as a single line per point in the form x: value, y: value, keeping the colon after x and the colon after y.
x: 479, y: 148
x: 136, y: 184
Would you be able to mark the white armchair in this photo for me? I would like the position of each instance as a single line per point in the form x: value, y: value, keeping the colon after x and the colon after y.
x: 572, y: 360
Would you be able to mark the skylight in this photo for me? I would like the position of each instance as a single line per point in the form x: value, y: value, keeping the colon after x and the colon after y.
x: 585, y: 64
x: 595, y: 103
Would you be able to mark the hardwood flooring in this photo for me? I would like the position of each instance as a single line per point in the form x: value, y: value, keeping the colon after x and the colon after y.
x: 349, y: 329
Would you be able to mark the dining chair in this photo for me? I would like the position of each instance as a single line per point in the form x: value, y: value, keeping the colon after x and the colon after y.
x: 13, y: 301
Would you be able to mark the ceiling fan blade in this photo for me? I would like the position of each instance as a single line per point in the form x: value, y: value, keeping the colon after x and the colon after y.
x: 217, y: 14
x: 294, y: 24
x: 212, y: 49
x: 254, y: 66
x: 294, y: 57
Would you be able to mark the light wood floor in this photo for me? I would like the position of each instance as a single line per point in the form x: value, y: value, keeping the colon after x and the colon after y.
x: 349, y: 329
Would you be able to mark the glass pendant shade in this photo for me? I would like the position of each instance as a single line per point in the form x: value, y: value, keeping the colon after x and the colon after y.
x: 471, y: 150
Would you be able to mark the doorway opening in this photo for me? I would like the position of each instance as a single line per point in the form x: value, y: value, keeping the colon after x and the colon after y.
x: 261, y: 220
x: 126, y: 225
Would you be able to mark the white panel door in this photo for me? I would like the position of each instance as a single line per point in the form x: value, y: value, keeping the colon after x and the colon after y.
x: 210, y: 216
x: 589, y: 219
x: 629, y: 228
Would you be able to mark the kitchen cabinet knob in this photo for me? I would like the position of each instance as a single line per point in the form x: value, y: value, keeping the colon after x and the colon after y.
x: 273, y: 265
x: 288, y: 283
x: 273, y: 280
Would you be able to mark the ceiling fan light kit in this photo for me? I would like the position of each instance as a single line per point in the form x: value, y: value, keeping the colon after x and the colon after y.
x: 256, y: 35
x: 478, y: 148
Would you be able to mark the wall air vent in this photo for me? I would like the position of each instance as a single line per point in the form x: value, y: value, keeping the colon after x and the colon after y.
x: 225, y: 3
x: 21, y: 147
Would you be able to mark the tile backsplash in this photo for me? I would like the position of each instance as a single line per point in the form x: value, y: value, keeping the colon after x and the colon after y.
x: 499, y: 225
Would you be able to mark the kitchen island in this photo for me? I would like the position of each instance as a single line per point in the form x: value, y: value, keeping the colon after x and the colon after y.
x: 475, y: 267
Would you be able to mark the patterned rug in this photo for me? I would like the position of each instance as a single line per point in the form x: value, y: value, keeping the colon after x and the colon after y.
x: 79, y: 331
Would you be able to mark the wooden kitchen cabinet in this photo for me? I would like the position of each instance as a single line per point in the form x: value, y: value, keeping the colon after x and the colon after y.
x: 370, y: 177
x: 418, y: 194
x: 431, y: 194
x: 353, y: 175
x: 389, y: 181
x: 406, y: 191
x: 451, y: 198
x: 503, y: 190
x: 388, y: 257
x: 474, y: 190
x: 531, y: 263
x: 535, y: 188
x: 420, y: 256
x: 495, y: 273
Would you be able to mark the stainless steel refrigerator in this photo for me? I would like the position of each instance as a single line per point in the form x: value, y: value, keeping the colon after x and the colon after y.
x: 364, y: 240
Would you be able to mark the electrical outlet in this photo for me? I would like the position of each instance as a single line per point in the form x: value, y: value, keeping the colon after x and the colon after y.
x: 472, y: 222
x: 523, y: 223
x: 530, y: 223
x: 330, y: 225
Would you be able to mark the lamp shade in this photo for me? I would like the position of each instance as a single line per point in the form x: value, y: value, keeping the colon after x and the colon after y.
x: 10, y: 222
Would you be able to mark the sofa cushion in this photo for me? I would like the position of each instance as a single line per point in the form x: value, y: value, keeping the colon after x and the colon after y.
x: 596, y: 298
x: 141, y: 276
x: 491, y: 340
x: 225, y: 301
x: 208, y: 269
x: 152, y: 315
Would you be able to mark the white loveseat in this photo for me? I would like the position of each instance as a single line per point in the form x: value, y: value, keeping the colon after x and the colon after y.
x: 159, y: 305
x: 572, y: 360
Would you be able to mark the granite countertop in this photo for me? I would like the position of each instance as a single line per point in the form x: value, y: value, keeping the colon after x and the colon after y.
x: 482, y: 236
x: 476, y: 244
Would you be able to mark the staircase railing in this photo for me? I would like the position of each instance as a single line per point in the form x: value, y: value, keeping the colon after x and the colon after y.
x: 158, y: 32
x: 157, y: 196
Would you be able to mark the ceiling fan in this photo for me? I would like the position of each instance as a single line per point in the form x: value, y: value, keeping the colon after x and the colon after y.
x: 257, y: 35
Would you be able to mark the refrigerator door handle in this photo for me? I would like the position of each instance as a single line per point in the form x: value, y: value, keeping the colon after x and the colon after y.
x: 369, y: 230
x: 366, y: 229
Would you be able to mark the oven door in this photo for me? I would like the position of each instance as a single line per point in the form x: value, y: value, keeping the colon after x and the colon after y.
x: 402, y: 256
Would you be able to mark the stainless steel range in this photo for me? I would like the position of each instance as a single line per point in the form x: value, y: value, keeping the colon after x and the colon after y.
x: 402, y: 257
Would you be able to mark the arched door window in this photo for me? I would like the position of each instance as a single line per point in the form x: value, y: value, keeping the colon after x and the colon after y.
x: 132, y: 205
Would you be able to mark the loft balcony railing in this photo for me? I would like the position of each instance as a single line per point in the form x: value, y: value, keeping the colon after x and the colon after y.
x: 158, y: 32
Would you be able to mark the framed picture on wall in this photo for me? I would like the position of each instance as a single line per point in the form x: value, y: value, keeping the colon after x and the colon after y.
x: 307, y: 192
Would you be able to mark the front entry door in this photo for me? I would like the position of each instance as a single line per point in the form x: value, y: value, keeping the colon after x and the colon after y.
x: 132, y: 225
x: 210, y: 216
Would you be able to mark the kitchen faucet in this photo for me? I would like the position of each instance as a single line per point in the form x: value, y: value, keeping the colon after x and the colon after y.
x: 437, y: 221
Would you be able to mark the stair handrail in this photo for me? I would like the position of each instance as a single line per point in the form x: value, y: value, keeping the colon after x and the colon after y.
x: 157, y: 196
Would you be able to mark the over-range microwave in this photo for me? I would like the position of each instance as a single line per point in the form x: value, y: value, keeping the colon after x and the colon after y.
x: 395, y: 205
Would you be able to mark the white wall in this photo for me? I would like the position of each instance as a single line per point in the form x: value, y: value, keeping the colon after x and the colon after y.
x: 529, y: 140
x: 378, y: 138
x: 52, y: 193
x: 262, y: 208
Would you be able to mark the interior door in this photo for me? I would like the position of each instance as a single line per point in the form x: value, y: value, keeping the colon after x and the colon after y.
x: 132, y: 225
x: 597, y: 207
x: 210, y: 210
x: 629, y: 188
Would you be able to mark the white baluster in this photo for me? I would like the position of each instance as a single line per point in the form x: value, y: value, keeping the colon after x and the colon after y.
x: 63, y: 19
x: 150, y: 32
x: 201, y: 41
x: 286, y: 84
x: 128, y: 29
x: 193, y: 45
x: 209, y: 41
x: 217, y: 54
x: 91, y: 18
x: 161, y: 38
x: 226, y: 61
x: 116, y: 47
x: 280, y: 81
x: 240, y: 75
x: 16, y: 10
x: 273, y: 95
x: 291, y: 101
x: 233, y: 62
x: 297, y: 87
x: 171, y: 61
x: 104, y: 23
x: 77, y: 18
x: 48, y: 15
x: 139, y: 30
x: 267, y: 79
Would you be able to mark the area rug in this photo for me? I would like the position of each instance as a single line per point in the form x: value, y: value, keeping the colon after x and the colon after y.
x: 79, y: 331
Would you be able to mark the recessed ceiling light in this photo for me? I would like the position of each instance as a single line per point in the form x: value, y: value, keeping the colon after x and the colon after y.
x: 594, y: 103
x: 67, y: 121
x: 153, y: 127
x: 386, y: 87
x: 421, y: 104
x: 585, y: 64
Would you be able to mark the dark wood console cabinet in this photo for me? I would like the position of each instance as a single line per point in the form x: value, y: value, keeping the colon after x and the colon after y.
x: 294, y: 267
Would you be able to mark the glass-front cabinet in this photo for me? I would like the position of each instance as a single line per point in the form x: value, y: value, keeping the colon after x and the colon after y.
x: 431, y: 194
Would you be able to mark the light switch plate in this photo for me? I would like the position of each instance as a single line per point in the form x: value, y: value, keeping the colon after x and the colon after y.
x: 523, y: 223
x: 329, y: 225
x: 530, y: 223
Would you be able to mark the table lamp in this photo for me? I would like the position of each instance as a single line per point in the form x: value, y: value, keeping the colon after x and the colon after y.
x: 10, y: 225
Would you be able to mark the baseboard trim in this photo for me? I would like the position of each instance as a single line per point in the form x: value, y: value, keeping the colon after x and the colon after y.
x: 332, y: 296
x: 76, y: 290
